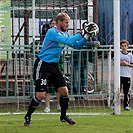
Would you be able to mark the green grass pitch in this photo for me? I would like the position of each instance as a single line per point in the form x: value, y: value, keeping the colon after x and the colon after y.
x: 49, y: 123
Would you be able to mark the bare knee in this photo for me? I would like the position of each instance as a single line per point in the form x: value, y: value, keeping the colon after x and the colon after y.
x: 40, y: 95
x: 63, y: 91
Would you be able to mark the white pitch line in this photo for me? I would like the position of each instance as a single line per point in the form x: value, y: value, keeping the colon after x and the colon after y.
x: 78, y: 114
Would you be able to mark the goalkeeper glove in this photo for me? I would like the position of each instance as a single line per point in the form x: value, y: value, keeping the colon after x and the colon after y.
x: 84, y: 34
x: 91, y: 28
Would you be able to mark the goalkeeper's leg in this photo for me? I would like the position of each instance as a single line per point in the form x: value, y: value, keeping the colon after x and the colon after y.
x: 64, y: 101
x: 33, y: 106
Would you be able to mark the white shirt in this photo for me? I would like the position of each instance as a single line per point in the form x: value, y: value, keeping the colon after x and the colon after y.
x: 125, y: 71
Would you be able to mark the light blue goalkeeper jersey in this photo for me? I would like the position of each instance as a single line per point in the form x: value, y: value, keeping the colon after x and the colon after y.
x: 54, y: 43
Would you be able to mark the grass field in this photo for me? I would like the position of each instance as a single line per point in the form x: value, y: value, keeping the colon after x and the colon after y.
x: 49, y: 123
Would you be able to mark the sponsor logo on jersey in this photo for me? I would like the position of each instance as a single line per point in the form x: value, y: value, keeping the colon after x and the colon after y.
x: 61, y: 44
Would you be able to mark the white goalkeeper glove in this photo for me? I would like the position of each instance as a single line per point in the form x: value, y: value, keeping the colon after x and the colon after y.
x: 84, y: 34
x: 91, y: 28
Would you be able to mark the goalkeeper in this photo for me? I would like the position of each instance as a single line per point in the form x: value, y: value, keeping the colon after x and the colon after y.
x: 46, y: 65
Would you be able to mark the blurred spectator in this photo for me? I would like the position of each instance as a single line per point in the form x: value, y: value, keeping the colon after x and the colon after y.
x: 79, y: 72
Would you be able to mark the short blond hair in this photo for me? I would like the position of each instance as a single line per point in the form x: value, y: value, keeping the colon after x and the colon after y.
x: 61, y: 16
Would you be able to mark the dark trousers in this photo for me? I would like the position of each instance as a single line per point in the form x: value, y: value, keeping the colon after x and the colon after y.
x: 125, y: 85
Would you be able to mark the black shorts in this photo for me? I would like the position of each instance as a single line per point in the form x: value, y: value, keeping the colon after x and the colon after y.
x: 49, y: 73
x: 50, y: 88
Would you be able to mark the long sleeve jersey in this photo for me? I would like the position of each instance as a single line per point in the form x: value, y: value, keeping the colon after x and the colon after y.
x: 55, y: 41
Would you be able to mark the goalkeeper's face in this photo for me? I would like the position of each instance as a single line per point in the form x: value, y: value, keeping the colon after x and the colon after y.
x: 64, y: 24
